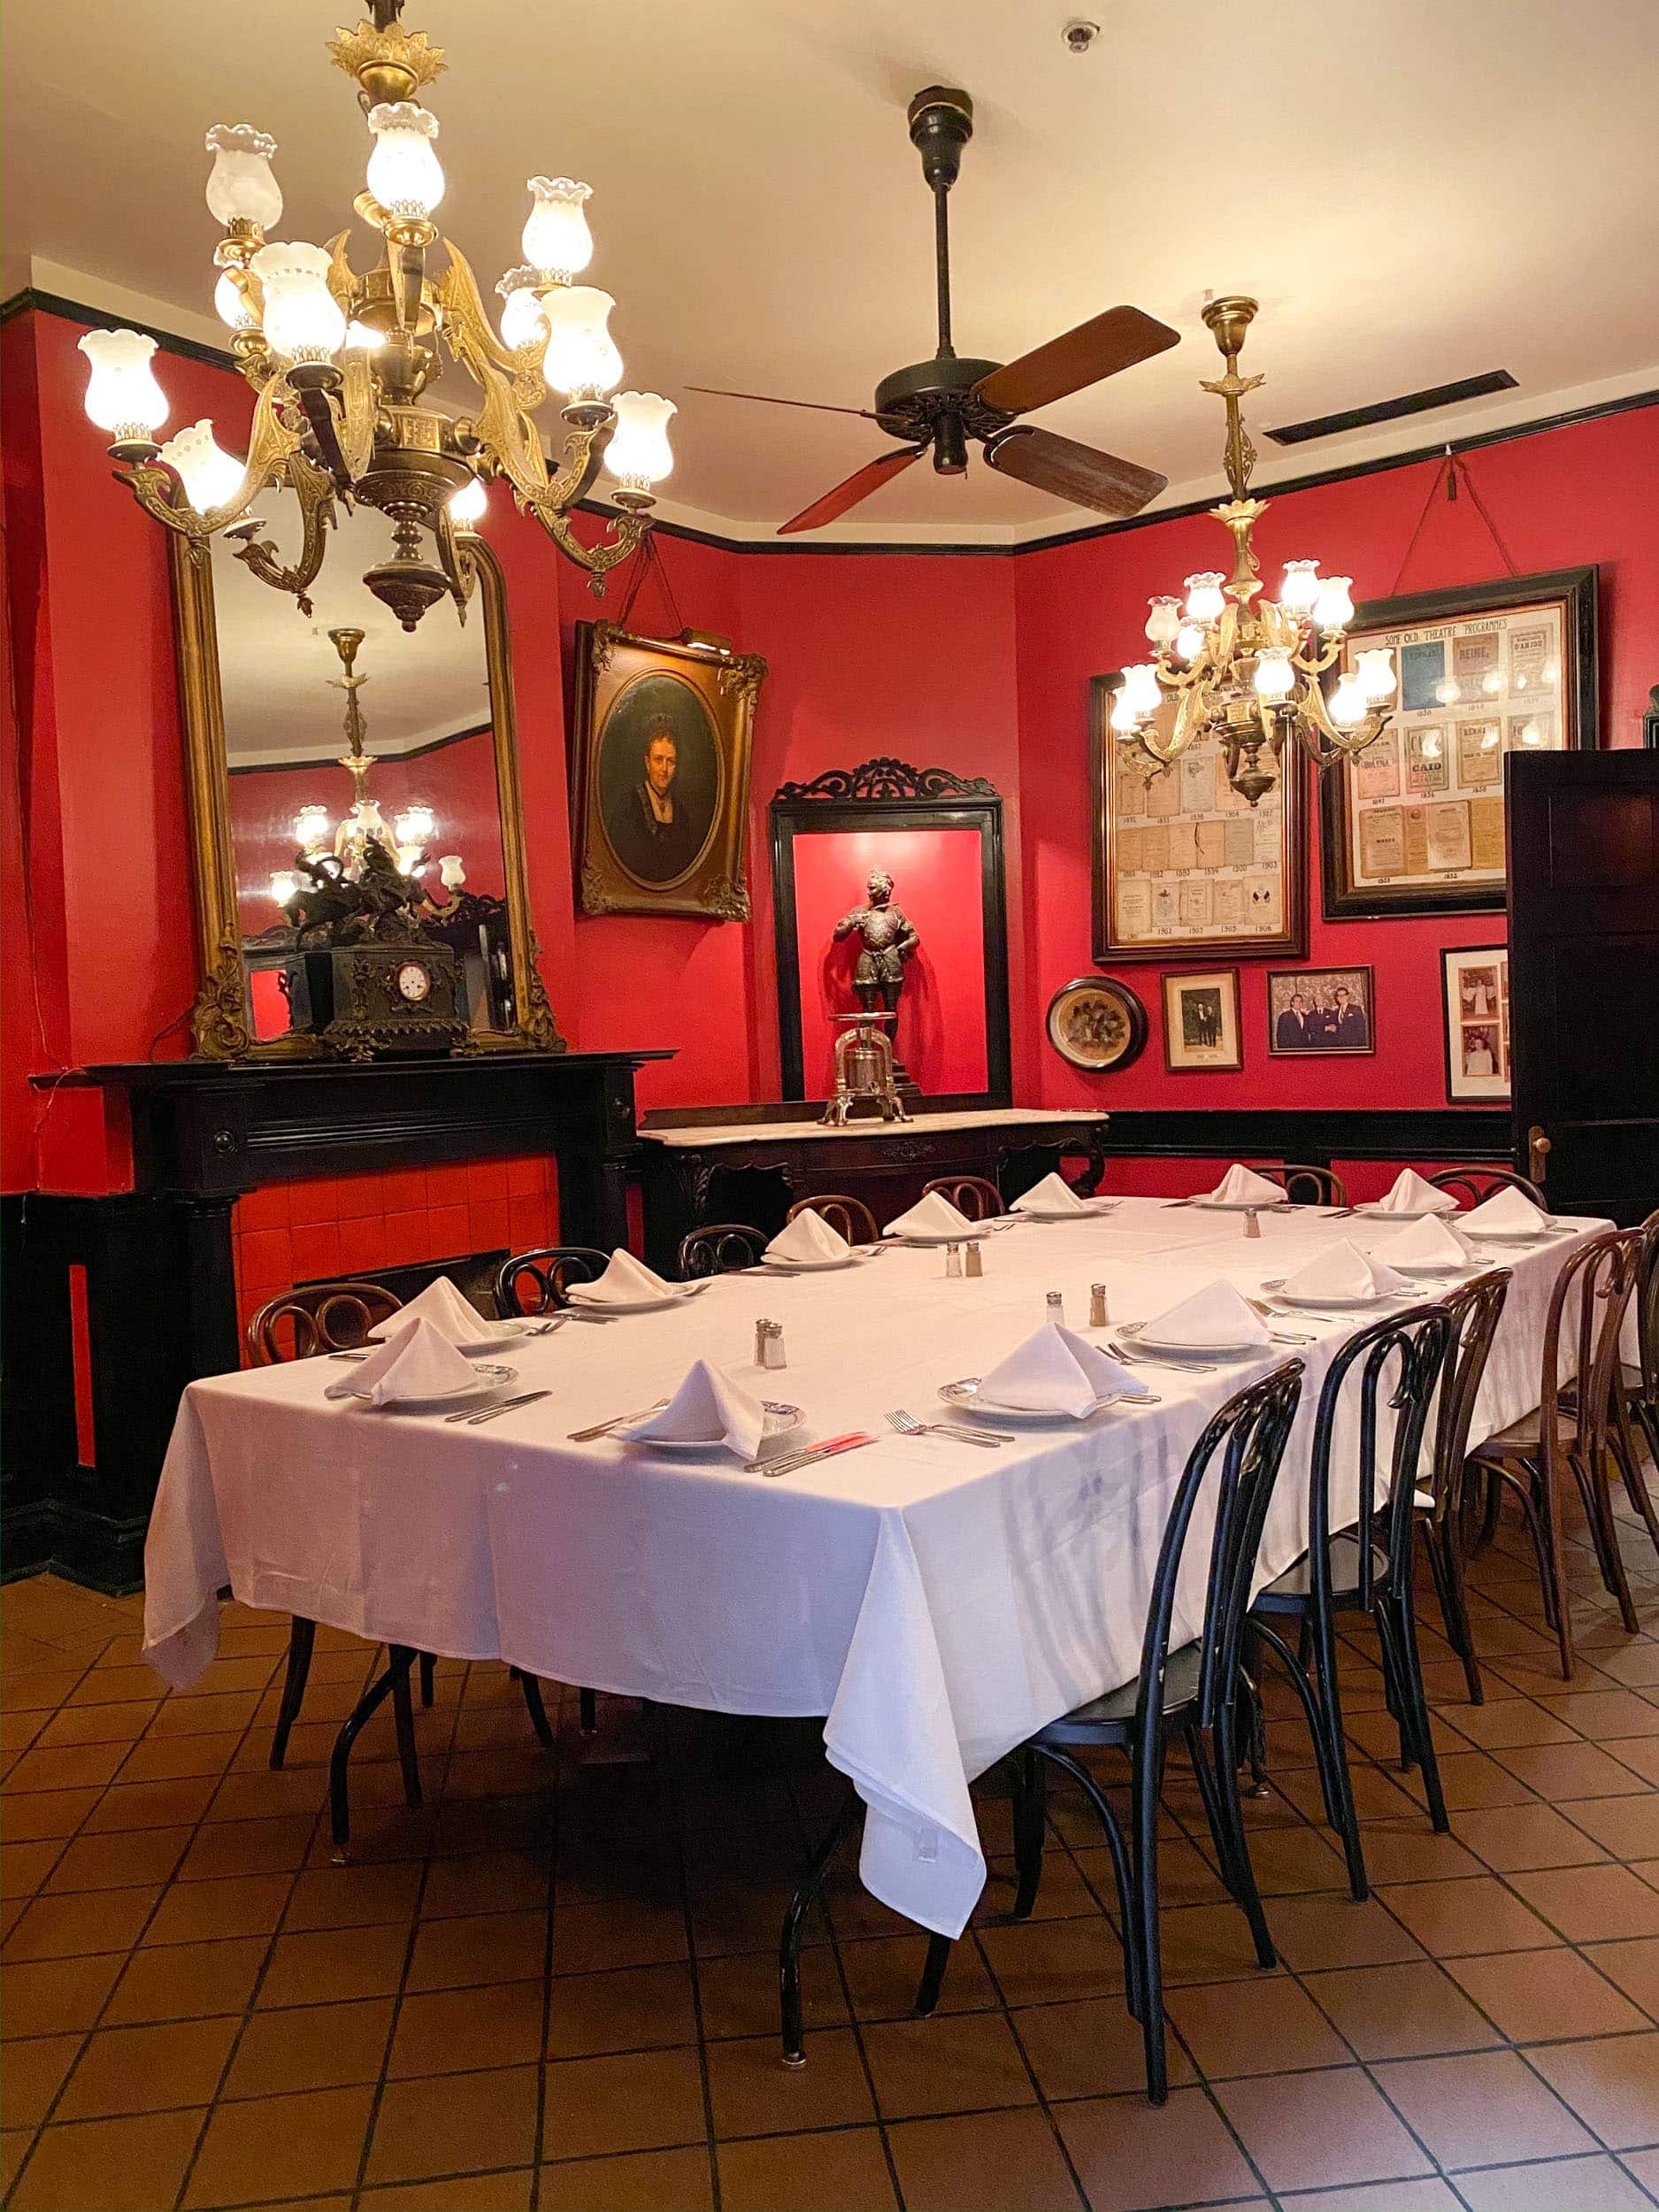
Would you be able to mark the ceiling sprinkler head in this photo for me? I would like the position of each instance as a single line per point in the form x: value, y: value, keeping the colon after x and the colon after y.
x: 1080, y: 35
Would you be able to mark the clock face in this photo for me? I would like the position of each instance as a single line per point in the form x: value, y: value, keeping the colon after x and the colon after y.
x: 413, y: 982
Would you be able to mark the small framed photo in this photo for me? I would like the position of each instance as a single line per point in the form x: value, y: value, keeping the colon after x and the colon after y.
x: 1320, y: 1010
x: 1474, y: 992
x: 1201, y: 1020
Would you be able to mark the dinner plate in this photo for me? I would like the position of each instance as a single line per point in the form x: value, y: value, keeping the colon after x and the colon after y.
x: 1512, y: 1236
x: 1276, y: 1284
x: 1239, y: 1205
x: 1435, y: 1268
x: 488, y: 1379
x: 965, y: 1396
x: 677, y: 1296
x: 780, y: 1421
x: 1139, y: 1332
x: 976, y: 1230
x: 858, y: 1258
x: 491, y: 1337
x: 1375, y: 1212
x: 1089, y: 1211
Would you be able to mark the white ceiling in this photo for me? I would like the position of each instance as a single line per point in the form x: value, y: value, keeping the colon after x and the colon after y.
x: 1417, y: 190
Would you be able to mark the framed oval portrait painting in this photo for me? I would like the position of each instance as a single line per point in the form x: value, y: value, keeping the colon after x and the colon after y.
x: 1097, y: 1024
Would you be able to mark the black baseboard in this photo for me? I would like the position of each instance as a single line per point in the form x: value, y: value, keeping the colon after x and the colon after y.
x: 1450, y: 1134
x: 78, y: 1542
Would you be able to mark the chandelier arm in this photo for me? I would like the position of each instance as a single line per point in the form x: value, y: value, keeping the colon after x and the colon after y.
x: 456, y: 561
x: 467, y: 326
x: 315, y: 493
x: 1314, y: 715
x: 621, y: 540
x: 271, y: 443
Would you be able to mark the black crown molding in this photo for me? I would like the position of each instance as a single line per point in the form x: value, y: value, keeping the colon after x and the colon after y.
x: 190, y: 349
x: 885, y: 777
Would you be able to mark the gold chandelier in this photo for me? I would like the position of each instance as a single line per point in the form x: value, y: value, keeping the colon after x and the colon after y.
x: 342, y: 362
x: 1245, y: 674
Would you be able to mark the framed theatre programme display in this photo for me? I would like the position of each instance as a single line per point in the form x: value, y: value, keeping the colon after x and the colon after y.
x: 1317, y: 1010
x: 660, y: 740
x: 1414, y: 824
x: 1201, y: 1020
x: 1181, y: 864
x: 1097, y: 1024
x: 1475, y: 988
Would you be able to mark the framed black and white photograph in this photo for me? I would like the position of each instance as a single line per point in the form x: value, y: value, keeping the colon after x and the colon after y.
x: 1475, y: 993
x: 1313, y: 1011
x: 1201, y: 1021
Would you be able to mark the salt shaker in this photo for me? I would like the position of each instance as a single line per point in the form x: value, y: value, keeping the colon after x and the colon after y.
x: 1098, y: 1316
x: 975, y: 1258
x: 953, y: 1259
x: 1055, y: 1305
x: 1252, y: 1226
x: 761, y: 1328
x: 772, y: 1352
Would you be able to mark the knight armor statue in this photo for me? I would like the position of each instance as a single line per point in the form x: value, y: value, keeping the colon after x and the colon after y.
x: 887, y: 939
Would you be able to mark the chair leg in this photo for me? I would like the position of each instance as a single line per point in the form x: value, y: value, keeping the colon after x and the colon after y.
x: 534, y: 1706
x: 1540, y: 1510
x: 1626, y: 1442
x: 350, y: 1728
x: 1030, y: 1819
x: 933, y: 1976
x: 1336, y: 1754
x: 1302, y: 1683
x: 1147, y: 1795
x: 1443, y: 1544
x: 1219, y: 1790
x: 302, y: 1637
x: 589, y: 1709
x: 1590, y: 1474
x: 428, y: 1679
x: 1122, y: 1873
x: 794, y: 1920
x: 1410, y: 1664
x: 403, y: 1719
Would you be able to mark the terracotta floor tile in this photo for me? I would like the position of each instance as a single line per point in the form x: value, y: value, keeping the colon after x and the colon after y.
x: 1314, y: 1932
x: 486, y: 1881
x: 1626, y: 1826
x: 89, y: 1920
x: 967, y: 2063
x: 739, y: 1995
x: 1640, y: 1754
x: 286, y: 2146
x: 726, y: 1921
x: 1563, y: 1771
x: 200, y: 1912
x: 1645, y: 2166
x: 353, y: 1897
x: 318, y: 1967
x: 34, y: 2068
x: 119, y: 1861
x: 1535, y: 1995
x: 1503, y: 1723
x: 248, y: 1846
x: 159, y: 1759
x: 25, y: 1866
x: 151, y: 1805
x: 1565, y: 2184
x: 1602, y: 1714
x: 1094, y: 2048
x: 1468, y: 1779
x: 943, y: 2164
x: 48, y: 1813
x: 1452, y: 1919
x: 805, y: 2173
x: 643, y: 2181
x: 486, y: 1948
x: 1289, y: 1859
x: 617, y: 1934
x: 1402, y: 2011
x: 1129, y: 2154
x: 38, y: 1689
x: 187, y: 1980
x: 648, y: 2100
x: 1592, y: 1904
x: 453, y: 2124
x: 1634, y: 1966
x: 1377, y: 1795
x: 1612, y: 2084
x: 310, y: 2047
x: 118, y: 2165
x: 87, y: 1724
x: 504, y: 2192
x: 268, y: 1795
x: 69, y: 1767
x: 450, y: 2029
x: 1426, y: 2194
x: 1409, y: 1851
x: 1266, y: 2027
x: 1041, y: 1961
x: 148, y: 2069
x: 204, y: 1716
x: 113, y: 1685
x: 1485, y: 2106
x: 1319, y: 2130
x: 1517, y: 1838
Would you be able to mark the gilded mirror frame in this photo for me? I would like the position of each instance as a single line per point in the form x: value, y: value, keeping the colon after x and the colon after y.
x: 220, y: 1024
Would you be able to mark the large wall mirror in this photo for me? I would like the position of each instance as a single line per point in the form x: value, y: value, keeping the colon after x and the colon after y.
x: 308, y: 732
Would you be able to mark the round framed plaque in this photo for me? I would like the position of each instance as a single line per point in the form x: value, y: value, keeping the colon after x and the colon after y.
x: 1097, y: 1024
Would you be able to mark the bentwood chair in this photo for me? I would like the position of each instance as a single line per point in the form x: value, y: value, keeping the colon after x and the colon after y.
x: 538, y: 1282
x: 1570, y: 1430
x: 1190, y: 1693
x: 1636, y: 1391
x: 974, y: 1195
x: 1473, y: 1185
x: 849, y: 1218
x: 1303, y: 1185
x: 1366, y: 1565
x: 1475, y: 1310
x: 719, y: 1248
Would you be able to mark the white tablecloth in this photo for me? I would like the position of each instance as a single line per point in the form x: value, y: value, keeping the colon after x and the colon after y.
x: 936, y: 1603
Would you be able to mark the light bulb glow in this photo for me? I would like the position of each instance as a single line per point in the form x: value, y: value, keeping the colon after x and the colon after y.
x: 284, y: 884
x: 1491, y: 685
x: 1189, y: 641
x: 231, y: 304
x: 1374, y: 671
x: 638, y: 454
x: 360, y: 337
x: 1123, y: 718
x: 303, y: 318
x: 1141, y: 689
x: 123, y: 396
x: 556, y: 238
x: 1531, y: 735
x: 1163, y: 620
x: 211, y: 477
x: 1431, y: 746
x: 241, y: 187
x: 1205, y: 601
x: 1445, y: 693
x: 1333, y: 609
x: 409, y: 860
x: 1275, y: 679
x: 1489, y: 742
x: 1300, y: 588
x: 581, y: 359
x: 522, y: 321
x: 451, y: 874
x: 312, y: 827
x: 416, y: 827
x: 404, y: 173
x: 1347, y: 707
x: 469, y: 505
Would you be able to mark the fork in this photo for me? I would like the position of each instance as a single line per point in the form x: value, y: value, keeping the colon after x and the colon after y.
x: 1142, y: 1359
x: 617, y: 1421
x: 907, y: 1425
x: 1272, y: 1313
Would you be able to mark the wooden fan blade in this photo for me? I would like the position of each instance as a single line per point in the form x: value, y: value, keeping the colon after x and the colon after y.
x: 1077, y: 472
x: 1116, y: 340
x: 859, y: 486
x: 766, y: 399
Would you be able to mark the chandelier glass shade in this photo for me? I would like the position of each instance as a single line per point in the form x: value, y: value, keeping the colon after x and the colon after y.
x: 342, y: 363
x: 1246, y: 670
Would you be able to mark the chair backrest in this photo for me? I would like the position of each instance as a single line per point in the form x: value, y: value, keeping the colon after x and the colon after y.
x: 531, y: 1282
x: 1647, y: 1297
x: 849, y: 1218
x: 974, y: 1195
x: 1586, y: 1312
x: 1473, y: 1185
x: 322, y: 1318
x: 1249, y: 1433
x: 1303, y: 1185
x: 718, y: 1248
x: 1475, y: 1309
x: 1404, y: 1355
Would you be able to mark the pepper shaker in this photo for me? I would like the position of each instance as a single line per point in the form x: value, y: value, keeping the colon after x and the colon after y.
x: 976, y: 1257
x: 1098, y: 1316
x: 1252, y: 1226
x: 953, y: 1259
x: 1055, y: 1309
x: 761, y: 1330
x: 773, y: 1352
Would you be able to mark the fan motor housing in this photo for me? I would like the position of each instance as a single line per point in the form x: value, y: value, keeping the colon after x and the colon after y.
x: 914, y: 401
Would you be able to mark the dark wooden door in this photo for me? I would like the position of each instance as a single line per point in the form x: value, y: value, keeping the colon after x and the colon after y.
x: 1583, y: 976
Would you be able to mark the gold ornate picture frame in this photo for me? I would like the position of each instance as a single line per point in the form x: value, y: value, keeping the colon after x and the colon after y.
x: 661, y: 737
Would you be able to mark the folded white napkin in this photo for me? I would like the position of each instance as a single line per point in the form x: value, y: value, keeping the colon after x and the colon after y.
x: 415, y: 1361
x: 808, y: 1237
x: 707, y: 1408
x: 1343, y: 1272
x: 1426, y: 1243
x: 1411, y: 1193
x: 1053, y: 1195
x: 1211, y: 1319
x: 930, y: 1216
x: 1243, y: 1187
x: 441, y: 1304
x: 1507, y: 1212
x: 1058, y: 1372
x: 623, y: 1283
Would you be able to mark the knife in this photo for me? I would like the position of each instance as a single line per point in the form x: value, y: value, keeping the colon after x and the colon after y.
x: 788, y: 1461
x: 473, y: 1416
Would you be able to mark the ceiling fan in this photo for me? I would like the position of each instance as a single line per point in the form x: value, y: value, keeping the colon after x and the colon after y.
x: 939, y: 405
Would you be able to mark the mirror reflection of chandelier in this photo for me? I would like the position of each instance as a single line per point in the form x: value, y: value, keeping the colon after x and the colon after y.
x: 341, y: 363
x: 1245, y: 674
x: 405, y: 840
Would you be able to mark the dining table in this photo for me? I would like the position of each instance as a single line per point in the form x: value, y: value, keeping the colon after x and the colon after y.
x: 933, y: 1603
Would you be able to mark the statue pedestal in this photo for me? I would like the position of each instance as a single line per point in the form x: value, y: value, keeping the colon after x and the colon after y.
x: 865, y: 1077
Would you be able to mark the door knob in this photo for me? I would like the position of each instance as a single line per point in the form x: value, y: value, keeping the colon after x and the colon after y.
x: 1537, y: 1155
